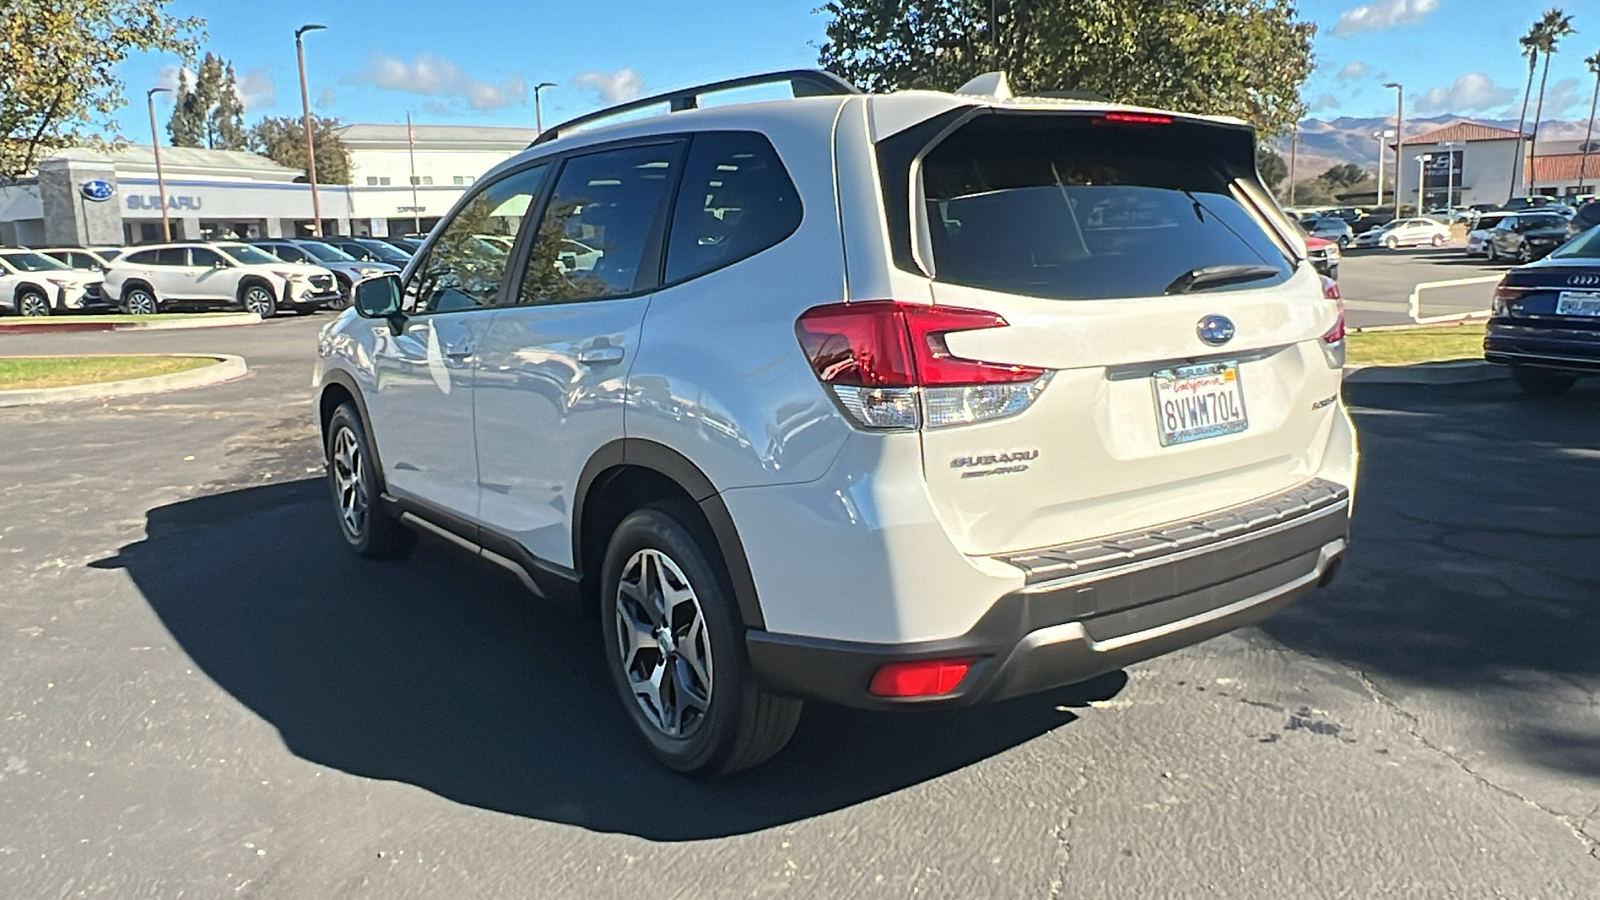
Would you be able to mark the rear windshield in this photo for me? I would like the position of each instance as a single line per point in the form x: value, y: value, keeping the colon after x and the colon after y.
x: 1077, y: 208
x: 1530, y: 223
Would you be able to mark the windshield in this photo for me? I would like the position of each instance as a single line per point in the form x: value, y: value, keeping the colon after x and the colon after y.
x: 33, y: 262
x: 325, y: 252
x: 244, y: 254
x: 386, y: 252
x: 1060, y: 207
x: 1584, y: 246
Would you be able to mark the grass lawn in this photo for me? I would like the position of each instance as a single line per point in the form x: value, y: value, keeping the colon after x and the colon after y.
x: 115, y: 317
x: 21, y: 374
x: 1414, y: 345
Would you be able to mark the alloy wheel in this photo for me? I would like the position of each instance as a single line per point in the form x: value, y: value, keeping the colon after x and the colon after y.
x: 664, y: 643
x: 349, y: 481
x: 33, y: 304
x: 258, y: 301
x: 141, y: 303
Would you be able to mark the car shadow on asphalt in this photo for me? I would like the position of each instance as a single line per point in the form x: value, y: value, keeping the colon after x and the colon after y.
x: 1474, y: 563
x: 443, y: 673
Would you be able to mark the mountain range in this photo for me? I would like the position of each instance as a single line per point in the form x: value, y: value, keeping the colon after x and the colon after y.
x: 1349, y: 139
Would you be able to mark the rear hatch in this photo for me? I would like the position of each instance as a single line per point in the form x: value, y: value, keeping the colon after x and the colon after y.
x: 1136, y: 259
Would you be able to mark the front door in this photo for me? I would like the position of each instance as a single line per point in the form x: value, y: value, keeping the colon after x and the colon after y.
x: 422, y: 413
x: 554, y: 372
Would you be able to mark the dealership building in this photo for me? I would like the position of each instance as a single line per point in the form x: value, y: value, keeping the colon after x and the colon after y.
x: 401, y: 183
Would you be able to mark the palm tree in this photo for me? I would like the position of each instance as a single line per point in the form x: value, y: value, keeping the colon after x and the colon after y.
x: 1593, y: 63
x: 1553, y: 27
x: 1530, y: 51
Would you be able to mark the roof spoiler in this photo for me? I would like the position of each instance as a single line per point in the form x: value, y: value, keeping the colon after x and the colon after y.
x: 804, y: 83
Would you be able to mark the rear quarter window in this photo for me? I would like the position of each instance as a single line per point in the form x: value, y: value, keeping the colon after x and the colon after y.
x: 1075, y: 208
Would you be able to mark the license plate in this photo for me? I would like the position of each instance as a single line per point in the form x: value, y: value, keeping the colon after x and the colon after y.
x: 1198, y: 402
x: 1578, y: 303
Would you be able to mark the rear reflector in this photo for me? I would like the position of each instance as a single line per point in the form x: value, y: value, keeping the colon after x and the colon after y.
x: 922, y: 678
x: 1133, y: 118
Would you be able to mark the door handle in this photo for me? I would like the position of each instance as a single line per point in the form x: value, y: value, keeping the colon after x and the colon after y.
x: 598, y: 356
x: 461, y: 353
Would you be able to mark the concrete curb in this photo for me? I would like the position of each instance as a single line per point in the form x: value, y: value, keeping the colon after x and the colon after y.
x: 58, y: 324
x: 227, y: 369
x: 1453, y: 372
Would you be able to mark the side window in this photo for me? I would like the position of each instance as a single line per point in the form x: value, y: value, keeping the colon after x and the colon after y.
x: 467, y: 263
x: 171, y: 256
x: 288, y: 253
x: 142, y: 258
x: 736, y: 201
x: 204, y: 257
x: 593, y: 238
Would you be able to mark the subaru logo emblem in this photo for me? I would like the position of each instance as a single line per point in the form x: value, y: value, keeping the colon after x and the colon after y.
x: 1584, y: 279
x: 1215, y: 330
x: 97, y: 190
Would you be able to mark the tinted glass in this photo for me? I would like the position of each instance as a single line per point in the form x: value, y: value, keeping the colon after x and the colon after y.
x: 736, y: 200
x: 202, y: 256
x: 592, y: 239
x: 248, y: 255
x: 1536, y: 223
x: 357, y: 252
x: 1072, y: 209
x: 286, y: 252
x: 1584, y: 246
x: 172, y: 256
x: 466, y: 265
x: 325, y: 252
x: 34, y: 262
x: 385, y: 252
x: 141, y: 258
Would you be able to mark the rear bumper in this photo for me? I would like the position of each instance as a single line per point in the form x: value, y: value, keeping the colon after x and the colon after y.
x: 1096, y: 606
x: 1572, y: 349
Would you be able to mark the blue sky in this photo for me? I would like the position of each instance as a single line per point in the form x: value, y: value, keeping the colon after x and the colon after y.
x: 477, y: 63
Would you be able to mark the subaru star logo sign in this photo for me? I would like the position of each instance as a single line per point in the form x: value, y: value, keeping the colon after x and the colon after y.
x: 97, y: 190
x: 1215, y: 330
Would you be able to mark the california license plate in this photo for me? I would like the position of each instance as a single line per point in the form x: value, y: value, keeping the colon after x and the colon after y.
x: 1578, y: 303
x: 1198, y: 402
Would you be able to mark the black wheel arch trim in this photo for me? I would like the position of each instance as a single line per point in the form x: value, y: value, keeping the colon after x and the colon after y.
x: 348, y: 382
x: 669, y: 463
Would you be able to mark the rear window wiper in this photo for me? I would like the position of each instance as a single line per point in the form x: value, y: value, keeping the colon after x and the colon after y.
x: 1216, y: 276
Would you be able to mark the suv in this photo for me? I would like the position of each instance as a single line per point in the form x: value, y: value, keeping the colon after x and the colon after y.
x: 370, y: 250
x: 345, y: 268
x: 148, y: 280
x: 33, y: 284
x: 904, y: 400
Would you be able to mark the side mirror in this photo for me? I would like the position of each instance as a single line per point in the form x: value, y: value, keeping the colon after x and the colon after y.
x: 378, y: 298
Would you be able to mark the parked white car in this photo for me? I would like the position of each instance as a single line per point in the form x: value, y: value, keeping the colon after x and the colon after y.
x: 32, y: 284
x: 903, y: 400
x: 1407, y: 233
x: 1482, y: 230
x: 166, y: 277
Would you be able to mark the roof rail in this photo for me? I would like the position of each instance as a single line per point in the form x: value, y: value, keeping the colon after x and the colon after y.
x: 804, y: 83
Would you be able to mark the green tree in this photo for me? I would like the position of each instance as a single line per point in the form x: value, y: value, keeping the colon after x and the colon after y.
x: 1246, y: 58
x: 187, y: 127
x: 227, y: 117
x: 1529, y: 44
x: 1271, y: 167
x: 58, y: 63
x: 208, y: 113
x: 283, y: 140
x: 1552, y: 27
x: 1344, y: 175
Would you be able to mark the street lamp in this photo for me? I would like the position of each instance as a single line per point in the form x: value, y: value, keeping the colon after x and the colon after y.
x: 538, y: 113
x: 155, y: 145
x: 311, y: 148
x: 1381, y: 135
x: 1400, y: 142
x: 1450, y: 174
x: 1422, y: 177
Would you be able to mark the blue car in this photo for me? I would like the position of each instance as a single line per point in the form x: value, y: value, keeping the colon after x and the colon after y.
x: 1546, y: 319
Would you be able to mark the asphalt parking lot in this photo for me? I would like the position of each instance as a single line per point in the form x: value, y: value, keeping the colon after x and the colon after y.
x: 1376, y: 284
x: 202, y: 694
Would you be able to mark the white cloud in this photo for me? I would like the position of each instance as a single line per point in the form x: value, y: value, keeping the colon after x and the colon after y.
x: 325, y: 98
x: 1381, y: 14
x: 167, y: 77
x: 1561, y: 97
x: 1352, y: 71
x: 1472, y: 92
x: 618, y: 87
x: 434, y: 76
x: 1324, y: 102
x: 257, y: 90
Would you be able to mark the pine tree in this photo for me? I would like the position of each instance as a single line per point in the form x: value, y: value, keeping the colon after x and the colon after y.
x: 195, y: 115
x: 227, y: 117
x: 187, y: 126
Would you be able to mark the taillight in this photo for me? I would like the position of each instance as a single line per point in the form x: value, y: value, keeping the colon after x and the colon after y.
x: 922, y: 678
x: 890, y: 366
x: 1330, y: 291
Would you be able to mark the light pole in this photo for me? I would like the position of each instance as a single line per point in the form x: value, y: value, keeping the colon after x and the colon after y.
x: 155, y: 145
x: 1450, y: 175
x: 1422, y: 177
x: 1380, y: 135
x: 538, y: 113
x: 1399, y: 142
x: 311, y: 147
x: 1294, y: 152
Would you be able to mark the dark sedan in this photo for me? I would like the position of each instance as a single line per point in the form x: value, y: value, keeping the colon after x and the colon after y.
x: 1526, y: 236
x: 1546, y: 319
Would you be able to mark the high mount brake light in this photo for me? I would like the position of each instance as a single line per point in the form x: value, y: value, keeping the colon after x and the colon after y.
x: 878, y: 355
x: 1133, y: 118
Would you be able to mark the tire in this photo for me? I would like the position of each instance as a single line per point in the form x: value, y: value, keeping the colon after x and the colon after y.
x: 369, y: 531
x: 1392, y: 243
x: 1489, y: 254
x: 1438, y: 240
x: 678, y: 617
x: 140, y: 301
x: 257, y: 298
x: 1524, y: 255
x: 1542, y: 382
x: 1344, y: 243
x: 31, y: 302
x: 346, y: 294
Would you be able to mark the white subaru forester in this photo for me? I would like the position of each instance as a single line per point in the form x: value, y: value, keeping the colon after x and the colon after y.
x: 902, y: 400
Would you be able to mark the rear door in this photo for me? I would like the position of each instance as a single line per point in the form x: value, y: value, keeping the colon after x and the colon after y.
x: 170, y: 276
x: 1136, y: 258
